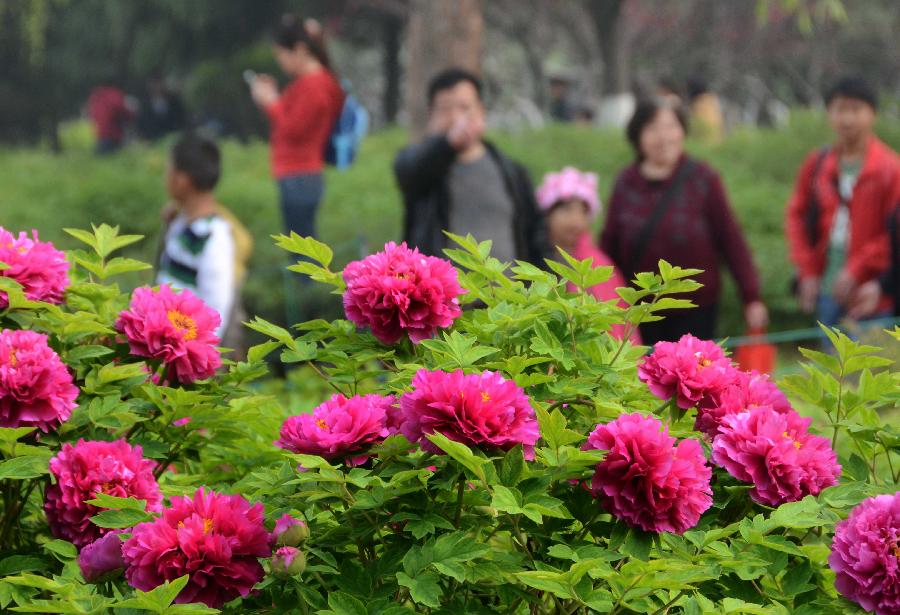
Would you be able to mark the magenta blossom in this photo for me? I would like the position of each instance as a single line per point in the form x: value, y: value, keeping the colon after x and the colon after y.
x: 775, y: 452
x: 646, y: 480
x: 340, y: 428
x: 216, y: 539
x: 175, y: 328
x: 102, y: 559
x: 86, y: 469
x: 482, y: 410
x: 37, y: 266
x: 36, y: 388
x: 401, y: 291
x: 688, y: 370
x: 865, y: 555
x: 747, y: 391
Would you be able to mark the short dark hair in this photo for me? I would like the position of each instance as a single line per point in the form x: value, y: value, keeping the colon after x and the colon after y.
x: 644, y: 113
x: 198, y: 157
x: 292, y: 31
x: 449, y: 78
x: 852, y: 87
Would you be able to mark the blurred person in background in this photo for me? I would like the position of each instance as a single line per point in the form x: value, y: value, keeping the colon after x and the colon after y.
x: 110, y: 113
x: 706, y: 111
x: 455, y: 180
x: 301, y: 117
x: 570, y: 204
x: 562, y: 108
x: 205, y: 247
x: 161, y: 111
x: 871, y: 295
x: 669, y: 206
x: 838, y: 215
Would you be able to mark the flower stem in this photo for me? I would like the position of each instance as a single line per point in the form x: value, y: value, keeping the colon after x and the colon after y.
x: 460, y: 490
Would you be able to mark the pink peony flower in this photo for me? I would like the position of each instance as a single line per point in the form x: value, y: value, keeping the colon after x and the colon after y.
x: 339, y: 428
x: 865, y: 555
x: 401, y: 291
x: 776, y: 453
x: 646, y: 480
x: 689, y: 369
x: 36, y: 388
x: 482, y: 410
x: 747, y: 391
x: 175, y: 328
x: 102, y: 559
x: 288, y: 561
x: 289, y: 531
x: 214, y: 538
x: 86, y: 469
x: 41, y: 269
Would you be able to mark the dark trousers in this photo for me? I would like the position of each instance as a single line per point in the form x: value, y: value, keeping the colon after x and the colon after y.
x: 699, y: 322
x: 300, y: 198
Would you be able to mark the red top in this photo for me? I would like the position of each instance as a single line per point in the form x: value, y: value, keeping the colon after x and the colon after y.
x: 607, y: 290
x: 876, y: 193
x: 107, y: 109
x: 302, y: 120
x: 698, y: 230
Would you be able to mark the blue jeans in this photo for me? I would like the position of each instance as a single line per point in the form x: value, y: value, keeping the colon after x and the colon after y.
x: 300, y: 198
x: 828, y: 311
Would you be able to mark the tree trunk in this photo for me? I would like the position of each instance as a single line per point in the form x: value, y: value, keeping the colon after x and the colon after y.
x: 606, y: 15
x: 441, y: 34
x: 392, y: 30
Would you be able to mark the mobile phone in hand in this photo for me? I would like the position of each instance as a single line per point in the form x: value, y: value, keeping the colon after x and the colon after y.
x: 250, y: 76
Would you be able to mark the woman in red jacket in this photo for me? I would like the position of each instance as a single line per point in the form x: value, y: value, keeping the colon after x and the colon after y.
x: 669, y: 206
x: 302, y: 118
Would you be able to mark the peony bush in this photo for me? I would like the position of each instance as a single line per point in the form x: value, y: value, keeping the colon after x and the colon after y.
x: 477, y: 443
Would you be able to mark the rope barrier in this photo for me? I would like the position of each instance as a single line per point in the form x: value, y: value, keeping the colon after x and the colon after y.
x: 797, y: 335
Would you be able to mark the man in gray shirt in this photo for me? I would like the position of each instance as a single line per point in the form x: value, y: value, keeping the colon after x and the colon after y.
x: 454, y: 180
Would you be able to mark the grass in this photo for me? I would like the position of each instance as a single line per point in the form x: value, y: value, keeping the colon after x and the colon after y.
x: 363, y: 209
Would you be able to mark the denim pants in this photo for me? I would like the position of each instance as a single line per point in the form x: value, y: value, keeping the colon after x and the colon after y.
x: 300, y: 198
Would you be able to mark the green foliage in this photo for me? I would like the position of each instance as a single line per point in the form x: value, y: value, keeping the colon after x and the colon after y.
x: 465, y: 531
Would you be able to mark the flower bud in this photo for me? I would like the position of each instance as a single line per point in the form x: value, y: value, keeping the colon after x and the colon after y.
x: 102, y: 559
x: 288, y: 561
x: 290, y: 532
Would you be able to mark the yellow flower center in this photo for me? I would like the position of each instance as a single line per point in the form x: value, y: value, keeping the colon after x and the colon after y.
x: 13, y: 361
x: 797, y: 445
x: 207, y: 525
x: 704, y: 362
x: 897, y: 549
x: 485, y: 397
x: 183, y: 323
x: 321, y: 424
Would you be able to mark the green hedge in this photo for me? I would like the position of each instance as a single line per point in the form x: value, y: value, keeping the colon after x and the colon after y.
x: 362, y: 208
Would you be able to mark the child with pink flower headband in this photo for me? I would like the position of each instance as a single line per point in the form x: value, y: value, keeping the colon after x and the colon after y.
x: 570, y: 203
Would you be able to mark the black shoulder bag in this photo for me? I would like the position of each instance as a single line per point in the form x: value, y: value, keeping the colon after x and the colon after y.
x: 662, y: 205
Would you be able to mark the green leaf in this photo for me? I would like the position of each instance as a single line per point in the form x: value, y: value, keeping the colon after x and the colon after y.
x: 424, y: 588
x: 118, y: 519
x: 798, y: 515
x: 8, y: 435
x: 30, y: 466
x: 460, y: 453
x: 64, y: 549
x: 638, y: 543
x: 159, y: 599
x: 102, y: 500
x: 305, y: 246
x: 342, y: 603
x: 21, y: 563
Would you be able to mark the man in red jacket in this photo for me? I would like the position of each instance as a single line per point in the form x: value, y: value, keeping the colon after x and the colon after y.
x: 837, y: 216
